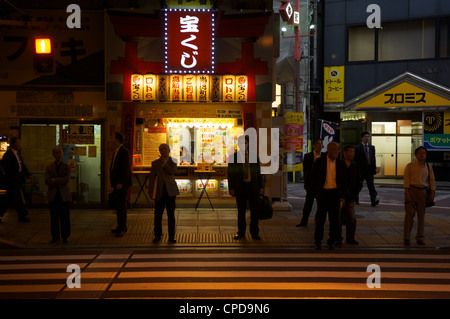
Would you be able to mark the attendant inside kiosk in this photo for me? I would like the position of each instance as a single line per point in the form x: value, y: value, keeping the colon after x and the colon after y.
x: 200, y: 145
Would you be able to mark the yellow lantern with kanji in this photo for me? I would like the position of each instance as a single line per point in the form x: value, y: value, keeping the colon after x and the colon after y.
x: 137, y: 87
x: 203, y: 88
x: 190, y: 87
x: 216, y: 88
x: 176, y: 87
x: 163, y: 87
x: 150, y: 81
x: 228, y: 87
x: 241, y: 88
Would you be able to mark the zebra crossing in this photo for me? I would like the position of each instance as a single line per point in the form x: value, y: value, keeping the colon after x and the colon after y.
x: 207, y: 273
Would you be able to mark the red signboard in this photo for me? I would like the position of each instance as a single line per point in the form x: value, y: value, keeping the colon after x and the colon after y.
x: 189, y: 41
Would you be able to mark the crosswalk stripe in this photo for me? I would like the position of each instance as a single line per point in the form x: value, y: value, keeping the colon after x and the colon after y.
x: 280, y: 264
x: 290, y: 256
x: 273, y: 286
x: 275, y: 274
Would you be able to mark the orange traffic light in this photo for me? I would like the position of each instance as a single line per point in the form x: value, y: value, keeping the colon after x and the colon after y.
x: 43, y: 45
x: 43, y: 56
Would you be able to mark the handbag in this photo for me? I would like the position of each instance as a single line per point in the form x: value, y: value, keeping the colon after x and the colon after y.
x: 264, y: 207
x: 429, y: 201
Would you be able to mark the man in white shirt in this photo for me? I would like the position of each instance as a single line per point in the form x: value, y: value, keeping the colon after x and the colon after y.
x: 327, y: 181
x: 418, y: 177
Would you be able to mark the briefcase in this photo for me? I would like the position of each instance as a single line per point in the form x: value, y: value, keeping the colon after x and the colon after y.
x: 264, y: 208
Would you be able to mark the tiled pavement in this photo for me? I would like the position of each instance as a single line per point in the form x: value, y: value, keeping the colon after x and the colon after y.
x: 377, y: 227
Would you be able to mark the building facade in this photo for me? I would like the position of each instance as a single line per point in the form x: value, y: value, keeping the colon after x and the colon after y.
x: 193, y: 74
x: 391, y: 79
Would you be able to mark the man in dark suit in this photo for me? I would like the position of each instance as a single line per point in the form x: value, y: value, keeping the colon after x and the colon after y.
x: 366, y: 160
x: 120, y: 176
x: 57, y: 176
x: 164, y: 191
x: 308, y: 162
x: 245, y: 183
x: 327, y: 181
x: 350, y: 175
x: 16, y: 173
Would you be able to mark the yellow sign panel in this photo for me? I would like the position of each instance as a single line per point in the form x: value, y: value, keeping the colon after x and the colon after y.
x: 447, y: 123
x: 405, y: 95
x: 334, y: 84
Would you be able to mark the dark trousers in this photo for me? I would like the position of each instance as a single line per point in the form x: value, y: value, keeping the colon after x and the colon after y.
x: 327, y: 203
x: 370, y: 185
x: 348, y: 218
x: 167, y: 202
x: 309, y: 202
x: 59, y: 218
x: 121, y: 208
x: 247, y: 194
x: 14, y: 196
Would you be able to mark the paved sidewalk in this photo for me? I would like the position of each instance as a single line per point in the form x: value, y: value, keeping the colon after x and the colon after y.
x: 377, y: 227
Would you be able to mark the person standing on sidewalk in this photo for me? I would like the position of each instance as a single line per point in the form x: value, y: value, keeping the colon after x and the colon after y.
x: 16, y: 173
x: 57, y: 176
x: 366, y: 160
x: 350, y: 175
x: 245, y: 183
x: 327, y: 181
x: 163, y: 189
x: 120, y: 175
x: 418, y: 177
x: 308, y: 163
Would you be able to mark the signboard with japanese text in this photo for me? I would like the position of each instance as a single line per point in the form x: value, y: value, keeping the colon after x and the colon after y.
x: 81, y: 134
x: 293, y: 142
x: 436, y: 131
x: 212, y: 187
x: 78, y: 53
x: 189, y: 41
x: 334, y: 84
x: 405, y: 95
x: 328, y: 132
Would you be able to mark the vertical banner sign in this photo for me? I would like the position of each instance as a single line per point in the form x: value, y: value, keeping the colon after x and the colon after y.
x: 128, y: 125
x: 216, y: 89
x: 293, y: 142
x: 150, y: 87
x: 228, y: 88
x: 436, y: 131
x: 163, y: 87
x: 327, y: 133
x: 137, y: 87
x: 241, y: 88
x: 175, y: 87
x: 334, y: 84
x: 189, y: 41
x: 189, y: 85
x: 203, y: 94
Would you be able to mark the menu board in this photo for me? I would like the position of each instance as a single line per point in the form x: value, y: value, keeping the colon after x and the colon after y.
x: 223, y: 188
x: 185, y: 187
x: 212, y: 187
x: 150, y: 145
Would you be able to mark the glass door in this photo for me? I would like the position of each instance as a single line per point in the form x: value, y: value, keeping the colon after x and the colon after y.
x: 394, y: 143
x: 81, y: 144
